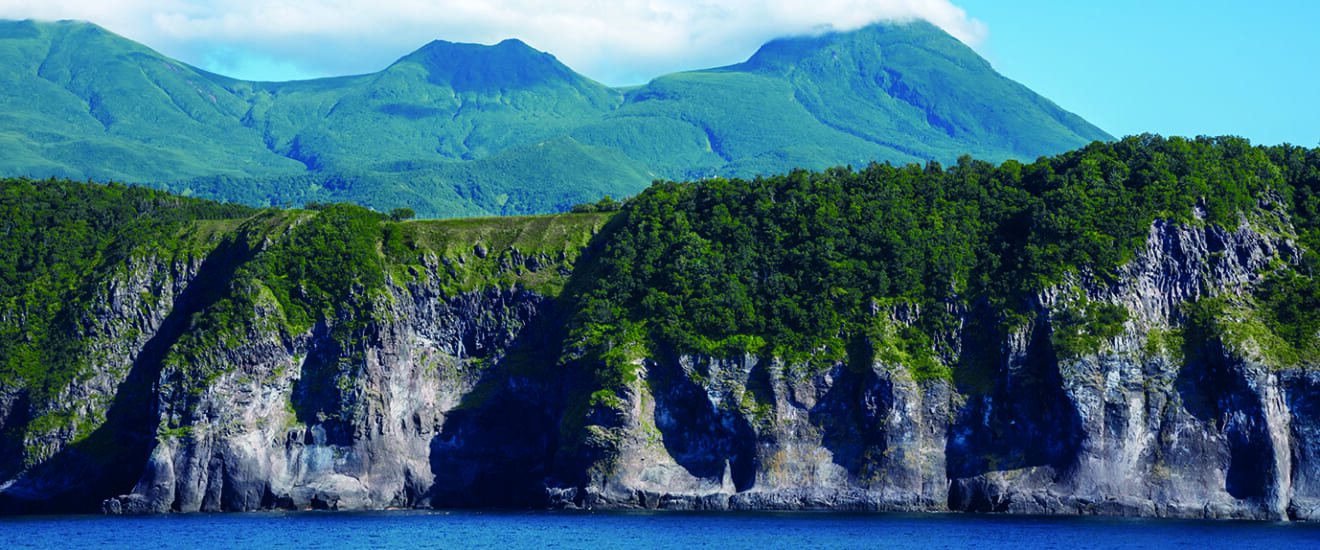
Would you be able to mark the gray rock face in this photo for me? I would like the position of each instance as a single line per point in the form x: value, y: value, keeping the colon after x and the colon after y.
x: 1139, y: 427
x: 414, y: 417
x: 444, y: 399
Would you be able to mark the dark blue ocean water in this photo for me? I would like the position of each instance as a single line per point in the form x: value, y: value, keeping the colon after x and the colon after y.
x: 606, y: 530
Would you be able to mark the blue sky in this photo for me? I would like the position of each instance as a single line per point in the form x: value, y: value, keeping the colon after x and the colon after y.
x: 1174, y: 67
x: 1209, y: 67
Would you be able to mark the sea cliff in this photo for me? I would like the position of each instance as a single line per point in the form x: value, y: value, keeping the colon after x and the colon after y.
x: 336, y: 359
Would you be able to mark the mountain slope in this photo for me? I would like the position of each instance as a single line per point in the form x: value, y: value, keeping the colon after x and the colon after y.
x: 899, y: 93
x: 438, y: 130
x: 916, y: 80
x: 445, y: 101
x: 79, y: 101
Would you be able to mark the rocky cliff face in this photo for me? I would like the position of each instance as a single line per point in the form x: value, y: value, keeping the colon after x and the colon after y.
x: 1152, y: 422
x: 431, y: 397
x: 419, y: 409
x: 105, y: 409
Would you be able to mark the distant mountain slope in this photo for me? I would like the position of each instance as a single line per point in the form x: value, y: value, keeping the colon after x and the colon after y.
x: 885, y: 83
x: 79, y: 101
x: 898, y: 93
x: 446, y: 101
x: 463, y: 129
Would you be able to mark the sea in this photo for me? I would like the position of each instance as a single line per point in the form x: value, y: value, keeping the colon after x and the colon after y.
x: 508, y: 530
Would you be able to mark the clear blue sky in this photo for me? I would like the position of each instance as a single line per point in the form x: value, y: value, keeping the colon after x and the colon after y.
x: 1188, y: 68
x: 1174, y: 67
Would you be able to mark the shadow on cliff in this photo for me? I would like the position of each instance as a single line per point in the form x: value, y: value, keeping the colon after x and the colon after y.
x: 1025, y: 419
x: 15, y: 416
x: 1214, y: 390
x: 853, y: 418
x: 504, y: 444
x: 319, y: 397
x: 699, y: 437
x: 110, y: 460
x: 496, y: 448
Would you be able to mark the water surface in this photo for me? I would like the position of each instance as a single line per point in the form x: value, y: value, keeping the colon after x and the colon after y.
x: 606, y: 530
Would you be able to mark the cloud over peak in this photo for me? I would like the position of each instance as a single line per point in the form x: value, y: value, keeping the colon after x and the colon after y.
x: 616, y: 41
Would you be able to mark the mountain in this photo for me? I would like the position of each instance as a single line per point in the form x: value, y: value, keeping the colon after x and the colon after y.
x: 81, y: 102
x: 1132, y: 328
x: 464, y: 129
x: 899, y: 93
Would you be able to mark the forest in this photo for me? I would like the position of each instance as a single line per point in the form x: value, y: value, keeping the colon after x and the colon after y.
x: 787, y: 265
x: 793, y: 264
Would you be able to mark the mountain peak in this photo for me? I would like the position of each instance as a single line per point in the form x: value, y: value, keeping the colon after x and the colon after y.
x: 32, y: 29
x: 908, y: 79
x: 514, y: 43
x: 83, y: 102
x: 477, y: 67
x: 870, y: 41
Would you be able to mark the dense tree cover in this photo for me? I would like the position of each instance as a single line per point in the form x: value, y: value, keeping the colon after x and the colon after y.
x: 788, y: 264
x: 322, y: 266
x: 327, y: 262
x: 1292, y: 306
x: 605, y: 204
x: 803, y: 259
x: 1301, y: 172
x: 402, y: 214
x: 59, y: 238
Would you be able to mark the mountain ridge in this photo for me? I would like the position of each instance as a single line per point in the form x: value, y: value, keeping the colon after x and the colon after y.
x: 82, y: 102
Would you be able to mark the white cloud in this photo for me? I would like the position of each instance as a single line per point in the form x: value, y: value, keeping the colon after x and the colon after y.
x: 615, y: 41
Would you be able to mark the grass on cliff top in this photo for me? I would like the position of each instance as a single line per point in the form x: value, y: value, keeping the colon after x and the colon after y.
x: 528, y: 234
x: 201, y: 236
x: 478, y: 252
x: 315, y: 261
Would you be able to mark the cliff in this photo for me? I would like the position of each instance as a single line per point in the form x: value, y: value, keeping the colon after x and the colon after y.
x: 425, y: 391
x: 464, y: 363
x: 453, y: 398
x: 1133, y: 428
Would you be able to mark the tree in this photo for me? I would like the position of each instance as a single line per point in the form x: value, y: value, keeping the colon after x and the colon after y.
x: 401, y: 214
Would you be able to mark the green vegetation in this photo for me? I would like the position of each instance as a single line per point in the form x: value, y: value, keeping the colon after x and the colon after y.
x: 1278, y: 323
x: 1292, y: 306
x: 328, y: 263
x: 331, y: 264
x: 268, y: 271
x: 907, y: 346
x: 61, y: 239
x: 1081, y: 327
x: 476, y: 253
x: 814, y: 268
x: 809, y: 262
x: 467, y: 130
x: 605, y: 204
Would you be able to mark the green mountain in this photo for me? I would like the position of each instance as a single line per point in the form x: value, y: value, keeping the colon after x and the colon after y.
x: 462, y: 129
